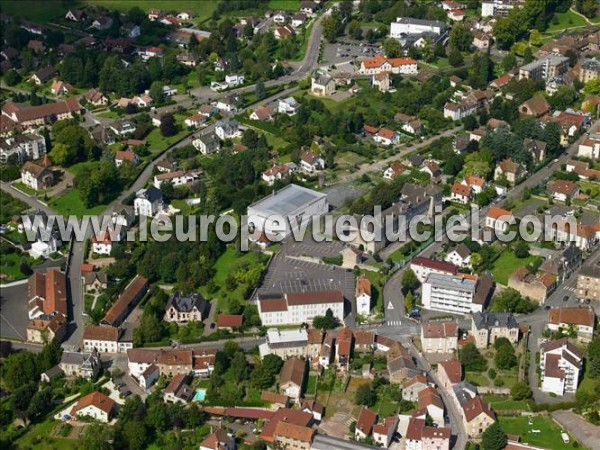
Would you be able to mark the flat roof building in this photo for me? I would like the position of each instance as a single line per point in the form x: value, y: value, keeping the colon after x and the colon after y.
x: 292, y: 202
x: 458, y: 294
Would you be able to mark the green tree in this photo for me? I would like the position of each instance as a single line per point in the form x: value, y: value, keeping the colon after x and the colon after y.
x: 409, y: 301
x: 521, y: 249
x: 239, y: 367
x: 510, y: 300
x: 355, y: 30
x: 330, y: 27
x: 230, y: 348
x: 365, y: 395
x: 494, y: 438
x: 509, y: 62
x: 392, y: 48
x: 260, y: 90
x: 460, y: 38
x: 527, y: 56
x: 60, y: 154
x: 168, y: 127
x: 96, y: 436
x: 19, y: 369
x: 156, y: 92
x: 455, y: 58
x: 326, y: 322
x: 520, y: 391
x: 593, y: 353
x: 505, y: 357
x: 410, y: 282
x: 471, y: 358
x: 12, y: 77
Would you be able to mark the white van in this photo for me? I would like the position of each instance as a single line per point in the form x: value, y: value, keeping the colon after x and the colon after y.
x: 565, y: 437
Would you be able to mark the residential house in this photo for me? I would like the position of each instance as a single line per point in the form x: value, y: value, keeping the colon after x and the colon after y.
x: 412, y: 387
x: 460, y: 256
x: 123, y: 127
x: 186, y: 308
x: 207, y: 143
x: 45, y: 328
x: 344, y: 346
x: 487, y: 327
x: 364, y: 341
x: 393, y: 171
x: 439, y: 337
x: 499, y: 219
x: 218, y: 439
x: 562, y: 264
x: 534, y: 286
x: 298, y: 19
x: 400, y: 364
x: 365, y: 423
x: 126, y: 155
x: 381, y: 81
x: 510, y: 170
x: 363, y: 296
x: 430, y: 400
x: 309, y: 7
x: 95, y: 405
x: 60, y: 88
x: 589, y: 147
x: 433, y: 169
x: 581, y: 320
x: 316, y: 409
x: 131, y: 30
x: 536, y: 148
x: 561, y: 365
x: 37, y: 177
x: 311, y: 162
x: 178, y: 390
x: 285, y: 31
x: 230, y: 103
x: 458, y: 111
x: 460, y: 193
x: 544, y: 69
x: 410, y: 124
x: 481, y: 40
x: 76, y: 15
x: 563, y: 190
x: 290, y: 435
x: 42, y: 76
x: 292, y: 378
x: 195, y: 120
x: 384, y: 433
x: 536, y: 106
x: 477, y: 416
x: 386, y: 137
x: 80, y: 364
x: 422, y: 437
x: 588, y: 283
x: 262, y: 114
x: 95, y: 97
x: 177, y: 178
x: 148, y: 202
x: 278, y: 172
x: 326, y: 351
x: 94, y: 281
x: 322, y: 84
x: 449, y: 373
x: 175, y: 362
x: 288, y: 106
x: 227, y: 129
x: 47, y: 306
x: 102, y: 243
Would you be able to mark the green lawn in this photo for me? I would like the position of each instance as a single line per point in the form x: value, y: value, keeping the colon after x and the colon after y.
x: 507, y: 263
x: 71, y: 204
x: 593, y: 188
x: 38, y: 10
x: 76, y: 168
x: 565, y: 20
x: 504, y: 402
x: 157, y: 142
x: 25, y: 189
x: 548, y: 437
x: 288, y: 5
x: 38, y: 438
x: 477, y: 379
x: 109, y: 115
x: 10, y: 266
x: 311, y: 384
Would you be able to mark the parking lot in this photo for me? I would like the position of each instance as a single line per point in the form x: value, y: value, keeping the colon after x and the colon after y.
x: 13, y: 312
x: 346, y: 51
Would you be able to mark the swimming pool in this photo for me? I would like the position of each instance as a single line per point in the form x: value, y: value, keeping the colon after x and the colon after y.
x: 200, y: 395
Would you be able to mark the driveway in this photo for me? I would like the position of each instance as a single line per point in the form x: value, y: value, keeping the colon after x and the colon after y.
x: 586, y: 433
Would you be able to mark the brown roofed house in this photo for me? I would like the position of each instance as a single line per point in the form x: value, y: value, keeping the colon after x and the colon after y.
x: 291, y: 378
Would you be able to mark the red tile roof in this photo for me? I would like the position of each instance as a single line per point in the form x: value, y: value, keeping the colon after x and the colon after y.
x: 575, y: 316
x: 96, y: 399
x: 453, y: 370
x: 434, y: 264
x: 230, y: 320
x: 366, y: 420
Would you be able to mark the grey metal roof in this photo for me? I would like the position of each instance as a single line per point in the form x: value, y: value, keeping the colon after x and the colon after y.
x: 491, y: 320
x: 151, y: 194
x: 288, y: 200
x: 323, y: 442
x: 451, y: 282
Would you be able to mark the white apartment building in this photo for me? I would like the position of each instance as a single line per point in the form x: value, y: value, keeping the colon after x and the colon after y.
x: 299, y: 307
x: 498, y: 7
x: 561, y: 364
x: 450, y: 293
x: 285, y: 343
x: 28, y: 146
x: 104, y: 339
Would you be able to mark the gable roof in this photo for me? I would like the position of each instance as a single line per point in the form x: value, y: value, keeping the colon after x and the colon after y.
x: 440, y: 330
x: 495, y: 213
x: 294, y: 432
x: 476, y: 406
x: 366, y: 420
x: 453, y: 370
x: 293, y: 371
x: 96, y: 399
x: 575, y: 316
x: 230, y: 320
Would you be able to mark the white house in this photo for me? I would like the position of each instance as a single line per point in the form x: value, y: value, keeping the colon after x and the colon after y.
x: 590, y: 147
x: 460, y: 256
x: 105, y: 339
x: 499, y: 219
x: 126, y: 155
x: 207, y: 143
x: 195, y: 121
x: 148, y: 202
x: 102, y: 243
x: 408, y: 25
x: 234, y: 80
x: 383, y: 434
x: 177, y: 178
x: 386, y: 137
x: 458, y: 111
x: 311, y: 162
x: 561, y: 364
x: 37, y: 177
x: 581, y: 320
x: 440, y: 337
x: 96, y: 406
x: 227, y: 129
x: 363, y: 296
x: 288, y: 106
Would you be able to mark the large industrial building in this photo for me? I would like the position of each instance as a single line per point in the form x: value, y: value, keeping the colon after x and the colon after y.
x: 291, y: 204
